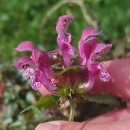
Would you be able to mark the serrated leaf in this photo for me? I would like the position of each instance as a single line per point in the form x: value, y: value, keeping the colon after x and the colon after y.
x: 101, y: 98
x: 27, y: 109
x: 48, y: 102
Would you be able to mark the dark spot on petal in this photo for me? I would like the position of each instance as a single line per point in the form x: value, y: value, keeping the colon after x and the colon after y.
x: 65, y: 20
x: 25, y: 66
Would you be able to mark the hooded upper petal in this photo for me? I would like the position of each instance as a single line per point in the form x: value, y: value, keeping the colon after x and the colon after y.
x: 67, y: 51
x: 64, y: 39
x: 89, y: 32
x: 24, y: 62
x: 101, y: 48
x: 85, y: 49
x: 25, y: 46
x: 42, y: 60
x: 62, y: 26
x: 87, y: 43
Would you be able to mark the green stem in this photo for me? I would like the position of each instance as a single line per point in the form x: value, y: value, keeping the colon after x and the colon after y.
x: 72, y: 111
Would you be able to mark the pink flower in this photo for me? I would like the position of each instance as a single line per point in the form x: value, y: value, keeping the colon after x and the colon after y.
x: 40, y: 66
x: 37, y: 67
x: 90, y: 49
x: 64, y: 39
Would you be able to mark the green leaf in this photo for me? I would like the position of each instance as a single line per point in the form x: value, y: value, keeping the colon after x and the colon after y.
x: 48, y: 102
x: 27, y: 109
x: 101, y: 98
x: 65, y: 91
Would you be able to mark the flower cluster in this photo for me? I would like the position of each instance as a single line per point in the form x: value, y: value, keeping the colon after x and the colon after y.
x: 46, y: 69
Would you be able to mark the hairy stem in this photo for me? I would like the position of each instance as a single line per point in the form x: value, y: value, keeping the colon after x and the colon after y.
x: 72, y: 111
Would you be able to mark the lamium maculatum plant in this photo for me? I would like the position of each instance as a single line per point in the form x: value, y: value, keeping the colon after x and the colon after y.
x: 67, y: 73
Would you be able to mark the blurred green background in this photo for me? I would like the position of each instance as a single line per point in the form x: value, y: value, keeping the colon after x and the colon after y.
x: 35, y: 20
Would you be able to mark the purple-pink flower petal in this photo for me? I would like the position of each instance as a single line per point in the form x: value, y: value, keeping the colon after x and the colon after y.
x: 41, y: 77
x: 25, y: 46
x: 67, y: 52
x: 85, y: 49
x: 90, y: 49
x: 101, y: 48
x: 104, y: 75
x: 35, y: 85
x: 62, y: 26
x: 91, y: 81
x: 29, y: 72
x: 93, y: 67
x: 24, y: 62
x: 64, y: 39
x: 89, y: 32
x: 40, y: 58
